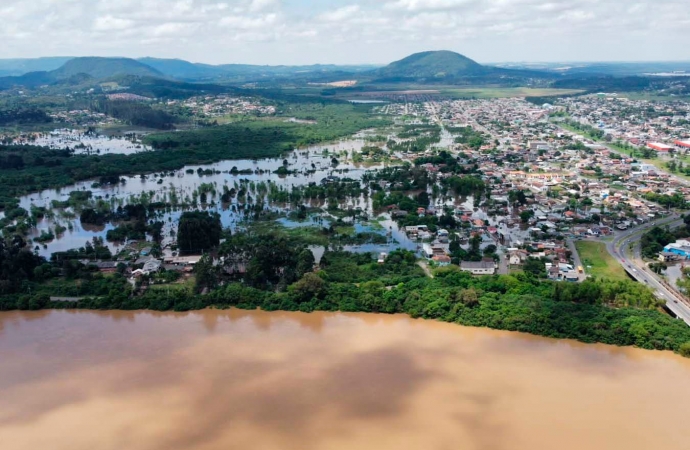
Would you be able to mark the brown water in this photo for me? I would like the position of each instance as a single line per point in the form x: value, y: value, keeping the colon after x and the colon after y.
x: 256, y: 380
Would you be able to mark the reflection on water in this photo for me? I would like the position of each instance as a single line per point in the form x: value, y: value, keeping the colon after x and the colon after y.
x: 84, y: 143
x: 258, y: 380
x: 311, y: 164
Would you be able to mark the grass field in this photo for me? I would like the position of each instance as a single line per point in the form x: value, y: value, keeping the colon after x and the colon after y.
x: 602, y: 264
x: 652, y: 97
x: 373, y: 91
x: 497, y: 92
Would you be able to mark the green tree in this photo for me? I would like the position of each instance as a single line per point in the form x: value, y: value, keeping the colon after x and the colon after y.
x: 198, y: 232
x: 305, y: 262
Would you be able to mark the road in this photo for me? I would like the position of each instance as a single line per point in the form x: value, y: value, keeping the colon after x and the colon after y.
x: 619, y: 248
x: 425, y: 267
x: 576, y: 260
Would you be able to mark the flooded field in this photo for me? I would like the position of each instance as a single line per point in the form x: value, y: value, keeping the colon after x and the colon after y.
x: 84, y: 143
x: 300, y: 168
x: 309, y: 165
x: 274, y: 381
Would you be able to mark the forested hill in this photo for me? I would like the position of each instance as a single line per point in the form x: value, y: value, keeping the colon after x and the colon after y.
x: 104, y: 68
x: 432, y: 65
x: 81, y: 70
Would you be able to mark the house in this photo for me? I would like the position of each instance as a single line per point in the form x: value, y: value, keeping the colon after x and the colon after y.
x: 515, y: 259
x: 442, y: 260
x: 553, y: 273
x: 478, y: 268
x: 382, y: 258
x: 668, y: 257
x: 106, y: 266
x: 151, y: 266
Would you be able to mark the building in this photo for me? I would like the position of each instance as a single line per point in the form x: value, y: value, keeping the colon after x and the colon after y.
x: 478, y: 268
x: 151, y: 266
x: 442, y: 260
x: 659, y: 147
x: 680, y: 248
x: 668, y: 257
x: 684, y: 145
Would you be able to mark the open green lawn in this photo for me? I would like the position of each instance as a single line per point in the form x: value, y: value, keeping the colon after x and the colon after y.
x: 602, y: 264
x: 498, y: 92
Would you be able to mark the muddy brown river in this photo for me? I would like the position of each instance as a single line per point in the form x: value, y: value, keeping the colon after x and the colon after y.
x: 280, y: 381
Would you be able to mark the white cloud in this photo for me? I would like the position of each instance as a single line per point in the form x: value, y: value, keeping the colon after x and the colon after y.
x: 303, y: 31
x: 249, y: 23
x: 110, y: 23
x: 425, y: 5
x: 261, y: 5
x: 340, y: 14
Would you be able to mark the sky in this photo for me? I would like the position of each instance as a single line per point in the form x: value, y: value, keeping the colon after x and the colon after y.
x: 347, y: 31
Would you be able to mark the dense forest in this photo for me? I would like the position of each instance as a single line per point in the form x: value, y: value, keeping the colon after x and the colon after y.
x: 198, y: 232
x: 135, y: 113
x: 22, y: 116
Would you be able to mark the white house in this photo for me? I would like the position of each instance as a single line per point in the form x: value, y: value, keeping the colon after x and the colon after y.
x: 478, y: 268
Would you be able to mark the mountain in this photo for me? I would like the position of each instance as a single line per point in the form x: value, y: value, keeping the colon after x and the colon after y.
x: 100, y: 68
x: 179, y: 68
x: 21, y: 66
x: 434, y: 64
x: 82, y: 70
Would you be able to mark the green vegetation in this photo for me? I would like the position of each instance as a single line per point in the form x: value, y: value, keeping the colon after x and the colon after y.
x: 23, y: 115
x: 135, y: 113
x: 104, y: 68
x: 26, y: 169
x: 268, y: 138
x: 654, y: 241
x: 434, y: 64
x: 274, y: 270
x: 468, y: 136
x: 599, y: 262
x: 198, y: 232
x: 481, y: 92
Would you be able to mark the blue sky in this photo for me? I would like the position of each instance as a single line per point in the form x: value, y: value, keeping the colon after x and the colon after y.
x: 347, y: 31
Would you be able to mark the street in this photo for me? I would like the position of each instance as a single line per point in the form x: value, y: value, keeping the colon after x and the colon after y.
x: 632, y: 263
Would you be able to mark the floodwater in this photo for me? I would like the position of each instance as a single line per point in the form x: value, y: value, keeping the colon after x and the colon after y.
x: 312, y: 165
x: 85, y: 143
x: 275, y: 381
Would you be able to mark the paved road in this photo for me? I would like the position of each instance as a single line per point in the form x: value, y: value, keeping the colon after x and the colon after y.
x: 576, y: 259
x: 619, y: 249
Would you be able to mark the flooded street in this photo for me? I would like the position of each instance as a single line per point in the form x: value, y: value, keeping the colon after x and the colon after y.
x: 256, y: 380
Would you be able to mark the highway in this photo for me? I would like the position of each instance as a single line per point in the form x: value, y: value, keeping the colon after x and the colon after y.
x: 619, y: 248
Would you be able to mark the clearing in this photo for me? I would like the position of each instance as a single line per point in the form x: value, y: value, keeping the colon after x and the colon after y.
x: 603, y: 265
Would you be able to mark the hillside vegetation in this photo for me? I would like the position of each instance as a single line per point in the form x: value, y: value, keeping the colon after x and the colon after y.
x: 104, y: 68
x: 432, y: 65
